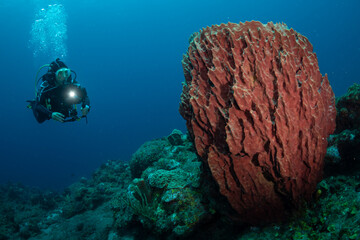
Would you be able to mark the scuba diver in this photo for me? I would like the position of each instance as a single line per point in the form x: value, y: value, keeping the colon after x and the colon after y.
x: 59, y: 95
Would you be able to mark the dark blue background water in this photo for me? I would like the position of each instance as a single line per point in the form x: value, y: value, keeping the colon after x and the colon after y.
x: 128, y: 56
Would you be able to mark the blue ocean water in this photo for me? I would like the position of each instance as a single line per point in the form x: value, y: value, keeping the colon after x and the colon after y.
x: 128, y: 56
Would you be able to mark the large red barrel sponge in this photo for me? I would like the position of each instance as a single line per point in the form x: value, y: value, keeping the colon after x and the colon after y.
x: 259, y: 111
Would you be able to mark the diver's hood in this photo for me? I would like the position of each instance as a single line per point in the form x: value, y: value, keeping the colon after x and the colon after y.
x: 56, y: 65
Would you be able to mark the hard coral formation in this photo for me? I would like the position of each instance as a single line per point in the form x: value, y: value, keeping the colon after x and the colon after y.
x: 167, y: 198
x: 146, y: 155
x: 344, y: 153
x: 348, y: 114
x: 259, y: 112
x: 348, y: 126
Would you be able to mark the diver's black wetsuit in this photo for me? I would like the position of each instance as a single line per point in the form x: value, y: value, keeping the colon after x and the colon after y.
x: 57, y: 99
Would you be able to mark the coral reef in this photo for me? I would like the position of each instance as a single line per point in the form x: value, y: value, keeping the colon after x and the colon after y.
x: 175, y: 197
x: 334, y: 215
x: 259, y: 112
x: 146, y: 155
x: 343, y: 155
x: 23, y: 210
x: 167, y: 198
x: 348, y: 110
x: 82, y: 211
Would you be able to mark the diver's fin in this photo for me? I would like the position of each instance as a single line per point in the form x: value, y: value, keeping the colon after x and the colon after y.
x: 31, y: 103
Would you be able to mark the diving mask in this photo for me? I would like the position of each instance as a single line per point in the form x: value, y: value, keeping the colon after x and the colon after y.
x: 63, y: 72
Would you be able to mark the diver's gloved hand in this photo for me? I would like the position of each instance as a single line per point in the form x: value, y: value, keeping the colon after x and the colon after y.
x: 58, y: 116
x: 85, y: 110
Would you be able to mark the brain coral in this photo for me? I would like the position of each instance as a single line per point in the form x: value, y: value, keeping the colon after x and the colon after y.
x: 259, y: 112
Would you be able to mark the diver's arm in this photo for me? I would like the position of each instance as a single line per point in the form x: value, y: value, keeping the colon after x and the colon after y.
x: 86, y: 100
x: 58, y: 116
x: 41, y: 113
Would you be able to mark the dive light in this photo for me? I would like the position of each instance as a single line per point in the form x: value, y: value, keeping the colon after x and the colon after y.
x: 72, y: 94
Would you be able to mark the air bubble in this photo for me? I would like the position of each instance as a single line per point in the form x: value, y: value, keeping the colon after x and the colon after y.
x: 49, y: 32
